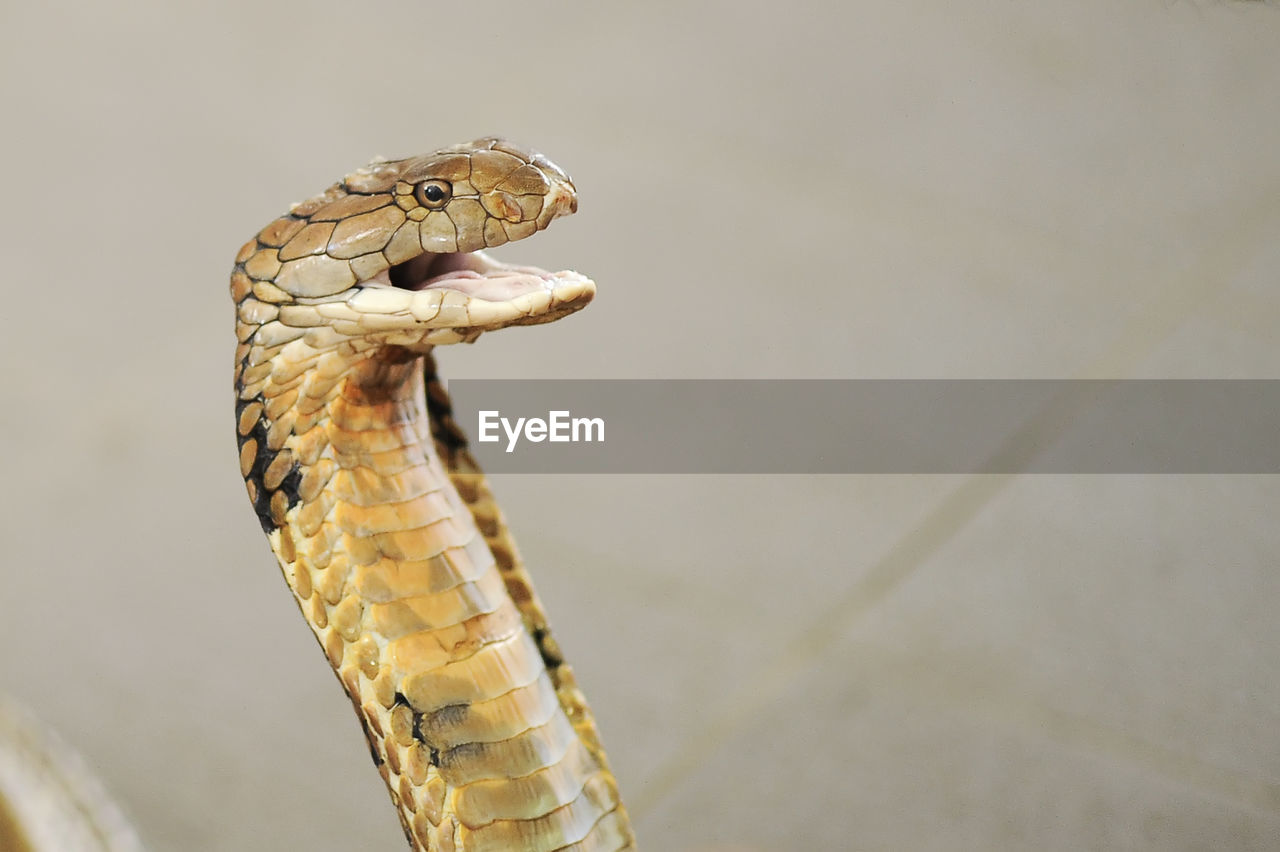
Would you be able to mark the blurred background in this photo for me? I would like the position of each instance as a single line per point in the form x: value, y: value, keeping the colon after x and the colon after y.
x: 821, y: 190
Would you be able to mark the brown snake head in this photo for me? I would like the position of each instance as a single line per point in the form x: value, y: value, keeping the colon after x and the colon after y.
x: 392, y: 253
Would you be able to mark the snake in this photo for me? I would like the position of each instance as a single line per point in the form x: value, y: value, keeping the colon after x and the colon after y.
x: 385, y: 528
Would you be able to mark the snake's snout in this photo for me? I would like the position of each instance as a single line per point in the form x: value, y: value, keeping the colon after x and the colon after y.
x: 568, y: 202
x: 561, y: 200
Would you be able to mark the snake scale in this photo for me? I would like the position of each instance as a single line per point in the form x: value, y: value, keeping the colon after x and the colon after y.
x: 384, y: 526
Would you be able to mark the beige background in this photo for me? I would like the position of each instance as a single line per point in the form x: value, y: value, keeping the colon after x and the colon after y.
x: 918, y: 189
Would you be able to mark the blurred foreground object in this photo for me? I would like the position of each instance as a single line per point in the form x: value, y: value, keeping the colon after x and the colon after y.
x: 49, y: 800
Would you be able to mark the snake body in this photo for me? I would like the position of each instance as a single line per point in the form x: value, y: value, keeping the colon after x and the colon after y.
x: 386, y: 530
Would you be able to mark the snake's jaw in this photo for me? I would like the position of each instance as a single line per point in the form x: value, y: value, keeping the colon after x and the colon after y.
x: 459, y: 296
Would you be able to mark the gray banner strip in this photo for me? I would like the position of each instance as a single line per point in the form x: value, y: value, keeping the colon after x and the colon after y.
x: 871, y: 426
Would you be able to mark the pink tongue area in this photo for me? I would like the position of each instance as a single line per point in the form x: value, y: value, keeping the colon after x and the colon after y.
x: 473, y: 274
x: 496, y: 286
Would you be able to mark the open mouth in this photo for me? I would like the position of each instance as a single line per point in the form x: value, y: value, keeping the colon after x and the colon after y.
x: 481, y: 293
x: 474, y: 274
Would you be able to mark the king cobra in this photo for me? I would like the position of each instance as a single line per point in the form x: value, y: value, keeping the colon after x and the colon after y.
x: 384, y: 526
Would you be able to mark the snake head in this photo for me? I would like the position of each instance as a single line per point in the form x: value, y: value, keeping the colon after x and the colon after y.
x: 392, y: 254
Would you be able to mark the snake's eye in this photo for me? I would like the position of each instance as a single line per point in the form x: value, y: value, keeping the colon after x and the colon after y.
x: 433, y: 193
